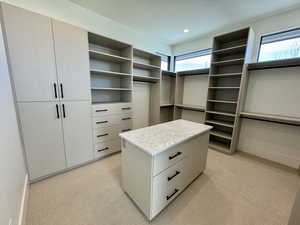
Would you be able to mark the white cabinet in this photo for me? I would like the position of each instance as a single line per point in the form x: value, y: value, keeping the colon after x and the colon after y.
x: 31, y: 54
x: 159, y: 162
x: 77, y: 126
x: 43, y: 137
x: 72, y: 60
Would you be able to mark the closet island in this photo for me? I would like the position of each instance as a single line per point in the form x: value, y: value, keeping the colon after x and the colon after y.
x: 160, y: 161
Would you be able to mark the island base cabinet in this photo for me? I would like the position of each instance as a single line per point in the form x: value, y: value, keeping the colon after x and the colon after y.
x: 153, y: 181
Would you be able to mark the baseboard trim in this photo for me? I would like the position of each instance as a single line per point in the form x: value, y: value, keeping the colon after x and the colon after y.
x: 24, y: 202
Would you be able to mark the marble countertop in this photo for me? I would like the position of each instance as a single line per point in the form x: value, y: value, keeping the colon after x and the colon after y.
x: 158, y: 138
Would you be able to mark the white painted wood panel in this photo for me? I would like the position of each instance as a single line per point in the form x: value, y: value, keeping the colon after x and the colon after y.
x: 140, y: 105
x: 72, y: 60
x: 78, y: 136
x: 195, y: 90
x: 31, y: 53
x: 276, y: 142
x: 274, y: 91
x: 43, y: 138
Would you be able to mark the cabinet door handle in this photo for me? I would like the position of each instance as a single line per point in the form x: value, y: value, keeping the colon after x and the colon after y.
x: 64, y: 111
x: 171, y: 195
x: 127, y: 118
x: 61, y: 90
x: 99, y: 122
x: 174, y: 156
x: 102, y: 135
x: 126, y: 108
x: 57, y: 111
x: 126, y: 130
x: 103, y: 149
x: 171, y: 177
x: 102, y: 110
x: 55, y: 90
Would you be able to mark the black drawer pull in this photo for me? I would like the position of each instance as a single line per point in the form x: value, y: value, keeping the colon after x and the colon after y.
x: 127, y: 118
x: 103, y: 149
x: 127, y: 108
x: 171, y: 177
x: 102, y: 135
x: 99, y: 122
x: 102, y: 110
x: 174, y: 156
x: 171, y: 195
x: 126, y: 130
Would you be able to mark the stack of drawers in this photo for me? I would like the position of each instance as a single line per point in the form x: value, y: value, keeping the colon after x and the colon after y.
x: 108, y: 121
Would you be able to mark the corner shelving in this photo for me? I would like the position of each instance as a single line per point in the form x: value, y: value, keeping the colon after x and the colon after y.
x: 110, y: 69
x: 147, y: 77
x: 226, y: 79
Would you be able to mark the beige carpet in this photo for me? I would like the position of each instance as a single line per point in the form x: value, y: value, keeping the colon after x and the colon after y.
x: 234, y: 190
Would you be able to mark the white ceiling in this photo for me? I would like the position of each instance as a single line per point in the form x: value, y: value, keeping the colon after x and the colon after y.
x: 166, y: 19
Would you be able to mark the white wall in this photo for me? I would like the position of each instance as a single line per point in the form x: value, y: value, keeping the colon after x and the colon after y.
x: 12, y: 168
x: 74, y: 14
x: 282, y: 21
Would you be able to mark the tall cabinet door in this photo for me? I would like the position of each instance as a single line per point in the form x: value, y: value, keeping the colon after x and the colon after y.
x: 77, y: 132
x: 43, y: 137
x: 72, y: 58
x: 31, y: 53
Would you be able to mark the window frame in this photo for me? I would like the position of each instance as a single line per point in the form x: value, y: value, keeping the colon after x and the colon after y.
x: 168, y: 59
x: 275, y: 33
x: 191, y: 55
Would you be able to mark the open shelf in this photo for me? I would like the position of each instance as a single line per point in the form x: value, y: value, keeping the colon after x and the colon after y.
x: 191, y: 107
x: 168, y: 73
x: 274, y: 64
x: 224, y: 87
x: 221, y: 134
x: 226, y: 75
x: 272, y: 118
x: 145, y: 78
x: 219, y: 146
x: 108, y: 73
x: 221, y: 113
x: 222, y: 101
x: 166, y: 105
x: 107, y: 57
x: 220, y: 123
x: 230, y: 50
x: 145, y: 66
x: 229, y: 62
x: 194, y: 72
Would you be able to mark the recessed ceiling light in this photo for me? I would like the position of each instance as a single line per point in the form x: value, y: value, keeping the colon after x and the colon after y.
x: 186, y: 30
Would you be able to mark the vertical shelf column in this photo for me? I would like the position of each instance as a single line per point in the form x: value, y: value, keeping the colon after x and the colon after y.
x: 226, y: 84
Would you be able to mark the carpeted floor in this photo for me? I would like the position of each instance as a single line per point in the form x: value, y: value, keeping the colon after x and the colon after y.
x: 234, y: 190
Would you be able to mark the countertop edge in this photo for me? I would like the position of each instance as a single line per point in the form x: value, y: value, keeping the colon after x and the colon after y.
x: 151, y: 153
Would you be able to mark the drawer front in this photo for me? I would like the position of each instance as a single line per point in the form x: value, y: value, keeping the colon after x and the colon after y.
x: 106, y: 147
x: 111, y: 109
x: 167, y: 158
x: 106, y: 133
x: 167, y: 185
x: 106, y: 121
x: 126, y: 121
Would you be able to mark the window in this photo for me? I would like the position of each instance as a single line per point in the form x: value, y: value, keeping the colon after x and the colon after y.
x: 192, y: 61
x: 283, y: 45
x: 165, y: 61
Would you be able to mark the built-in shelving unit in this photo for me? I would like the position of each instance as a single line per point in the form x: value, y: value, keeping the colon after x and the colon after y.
x: 110, y: 69
x: 147, y: 78
x: 295, y: 62
x: 167, y: 94
x: 225, y: 81
x: 190, y: 95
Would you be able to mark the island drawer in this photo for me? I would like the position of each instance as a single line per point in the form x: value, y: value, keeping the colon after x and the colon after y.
x: 166, y: 159
x: 106, y: 148
x: 110, y: 109
x: 167, y: 185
